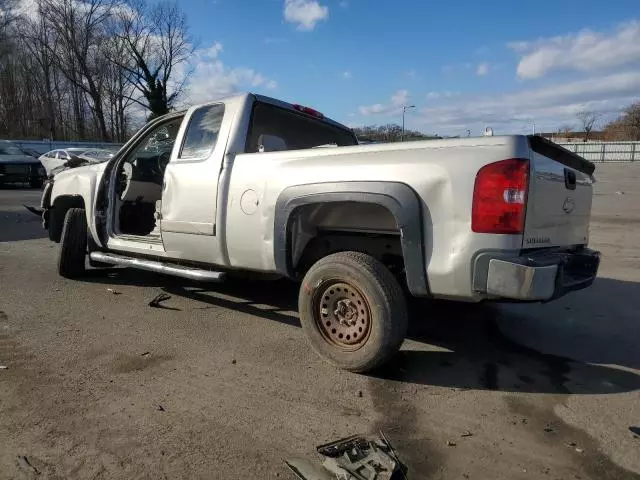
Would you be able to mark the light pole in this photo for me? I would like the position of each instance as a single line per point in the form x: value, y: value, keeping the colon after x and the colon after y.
x: 404, y: 109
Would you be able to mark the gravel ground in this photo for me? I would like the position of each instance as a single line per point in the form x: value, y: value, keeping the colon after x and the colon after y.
x: 221, y: 383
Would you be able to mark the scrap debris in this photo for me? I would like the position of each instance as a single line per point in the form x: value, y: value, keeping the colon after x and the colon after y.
x: 115, y: 292
x: 35, y: 210
x: 161, y: 297
x: 25, y: 464
x: 353, y: 458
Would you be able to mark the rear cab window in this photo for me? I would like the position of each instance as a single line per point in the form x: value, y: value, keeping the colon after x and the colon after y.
x: 274, y: 128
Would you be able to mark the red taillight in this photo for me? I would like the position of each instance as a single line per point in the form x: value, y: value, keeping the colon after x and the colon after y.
x: 308, y: 111
x: 500, y: 197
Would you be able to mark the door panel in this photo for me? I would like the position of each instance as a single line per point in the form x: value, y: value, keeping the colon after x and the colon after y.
x: 190, y: 186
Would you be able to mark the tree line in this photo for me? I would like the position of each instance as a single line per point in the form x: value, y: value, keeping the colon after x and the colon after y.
x: 89, y: 69
x: 626, y: 126
x: 388, y: 133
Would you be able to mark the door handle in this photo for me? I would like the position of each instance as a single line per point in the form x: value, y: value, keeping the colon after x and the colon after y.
x: 569, y: 179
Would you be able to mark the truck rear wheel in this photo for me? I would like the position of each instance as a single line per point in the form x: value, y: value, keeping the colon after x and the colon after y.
x: 353, y: 311
x: 73, y: 244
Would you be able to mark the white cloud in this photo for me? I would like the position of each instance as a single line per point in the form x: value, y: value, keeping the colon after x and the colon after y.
x: 445, y: 94
x: 346, y: 75
x: 583, y: 51
x: 211, y: 78
x: 397, y: 100
x: 412, y: 73
x: 400, y: 98
x: 482, y: 70
x: 548, y: 106
x: 305, y: 13
x: 344, y: 4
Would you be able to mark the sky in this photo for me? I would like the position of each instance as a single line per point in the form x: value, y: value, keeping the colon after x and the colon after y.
x: 465, y: 65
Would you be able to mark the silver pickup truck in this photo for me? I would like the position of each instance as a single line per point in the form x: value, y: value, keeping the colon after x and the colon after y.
x: 253, y: 184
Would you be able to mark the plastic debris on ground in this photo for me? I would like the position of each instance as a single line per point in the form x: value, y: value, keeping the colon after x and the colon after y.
x: 360, y: 457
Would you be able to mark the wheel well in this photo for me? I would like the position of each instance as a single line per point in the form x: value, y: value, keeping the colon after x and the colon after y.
x: 318, y: 230
x: 59, y: 210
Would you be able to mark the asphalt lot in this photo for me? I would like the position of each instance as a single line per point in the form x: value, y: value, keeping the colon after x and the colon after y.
x: 221, y: 383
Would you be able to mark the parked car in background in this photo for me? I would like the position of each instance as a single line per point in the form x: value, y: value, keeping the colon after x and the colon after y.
x: 17, y: 166
x: 60, y: 159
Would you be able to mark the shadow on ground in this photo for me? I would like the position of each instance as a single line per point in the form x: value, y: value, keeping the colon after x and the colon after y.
x: 16, y: 226
x: 465, y: 345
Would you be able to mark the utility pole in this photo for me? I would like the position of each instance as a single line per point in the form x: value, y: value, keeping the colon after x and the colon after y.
x: 404, y: 109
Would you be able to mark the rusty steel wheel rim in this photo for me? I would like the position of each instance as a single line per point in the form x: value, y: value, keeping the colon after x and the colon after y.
x: 343, y: 316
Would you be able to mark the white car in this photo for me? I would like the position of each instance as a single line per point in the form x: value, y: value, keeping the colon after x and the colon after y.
x: 237, y: 185
x: 57, y: 160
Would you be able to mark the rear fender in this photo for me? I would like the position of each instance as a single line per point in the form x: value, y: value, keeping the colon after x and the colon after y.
x: 396, y: 197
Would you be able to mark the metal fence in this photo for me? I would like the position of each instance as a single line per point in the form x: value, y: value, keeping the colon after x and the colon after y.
x: 605, y: 151
x: 43, y: 146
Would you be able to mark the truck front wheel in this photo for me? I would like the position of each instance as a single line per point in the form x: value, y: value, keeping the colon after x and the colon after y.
x: 353, y: 311
x: 73, y: 244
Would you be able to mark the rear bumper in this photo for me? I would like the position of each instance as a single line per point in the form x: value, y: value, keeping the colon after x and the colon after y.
x: 539, y: 276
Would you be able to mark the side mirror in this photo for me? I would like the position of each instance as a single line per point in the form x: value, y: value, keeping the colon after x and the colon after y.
x: 75, y: 161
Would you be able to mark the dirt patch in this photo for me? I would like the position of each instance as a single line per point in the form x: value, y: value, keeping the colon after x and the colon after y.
x: 582, y: 450
x: 126, y: 363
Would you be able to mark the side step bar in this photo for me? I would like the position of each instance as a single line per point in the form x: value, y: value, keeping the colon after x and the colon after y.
x: 158, y: 267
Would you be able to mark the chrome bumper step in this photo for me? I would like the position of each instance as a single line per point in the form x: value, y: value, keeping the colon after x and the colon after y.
x: 158, y: 267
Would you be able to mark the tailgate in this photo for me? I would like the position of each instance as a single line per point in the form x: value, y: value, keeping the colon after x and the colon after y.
x: 559, y: 199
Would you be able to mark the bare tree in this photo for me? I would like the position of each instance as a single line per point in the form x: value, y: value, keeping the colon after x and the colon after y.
x: 627, y: 126
x: 67, y: 72
x: 588, y: 120
x: 564, y: 131
x: 8, y: 17
x: 387, y: 133
x: 157, y: 41
x: 119, y: 90
x: 81, y: 29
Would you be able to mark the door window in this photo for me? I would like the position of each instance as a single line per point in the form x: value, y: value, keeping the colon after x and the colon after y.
x: 151, y: 155
x: 202, y: 132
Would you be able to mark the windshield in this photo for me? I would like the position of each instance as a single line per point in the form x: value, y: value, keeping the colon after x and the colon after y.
x: 97, y: 155
x: 10, y: 149
x: 274, y: 128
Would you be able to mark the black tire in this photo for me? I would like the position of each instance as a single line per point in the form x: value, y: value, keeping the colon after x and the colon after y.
x: 380, y: 309
x: 73, y: 244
